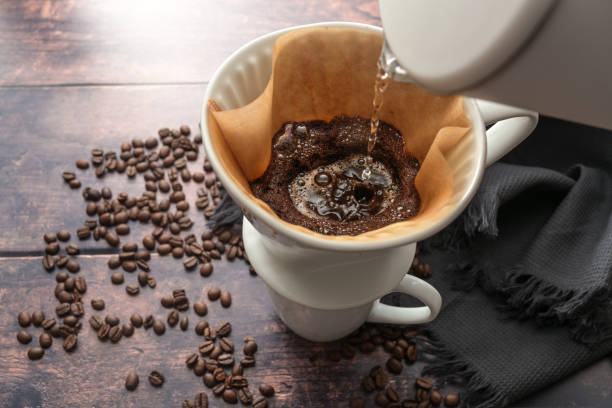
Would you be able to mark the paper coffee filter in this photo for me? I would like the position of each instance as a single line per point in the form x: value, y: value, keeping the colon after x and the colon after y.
x: 319, y: 73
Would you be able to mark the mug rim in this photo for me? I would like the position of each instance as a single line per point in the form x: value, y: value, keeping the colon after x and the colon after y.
x: 314, y: 241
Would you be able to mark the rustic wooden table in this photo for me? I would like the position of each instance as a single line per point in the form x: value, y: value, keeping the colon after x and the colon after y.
x: 78, y: 75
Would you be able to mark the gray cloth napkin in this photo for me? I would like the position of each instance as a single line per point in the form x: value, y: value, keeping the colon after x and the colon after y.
x: 525, y: 271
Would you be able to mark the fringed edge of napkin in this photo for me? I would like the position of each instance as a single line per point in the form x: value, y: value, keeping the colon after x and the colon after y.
x: 445, y: 365
x: 524, y: 295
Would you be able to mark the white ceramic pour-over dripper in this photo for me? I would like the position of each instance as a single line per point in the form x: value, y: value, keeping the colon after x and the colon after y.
x: 325, y: 289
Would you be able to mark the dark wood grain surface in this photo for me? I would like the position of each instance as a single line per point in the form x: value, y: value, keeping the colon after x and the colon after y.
x: 79, y: 75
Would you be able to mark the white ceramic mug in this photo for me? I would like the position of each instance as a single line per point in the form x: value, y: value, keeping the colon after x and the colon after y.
x: 322, y: 289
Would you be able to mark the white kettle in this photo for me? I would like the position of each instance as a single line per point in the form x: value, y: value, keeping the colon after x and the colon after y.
x: 551, y: 56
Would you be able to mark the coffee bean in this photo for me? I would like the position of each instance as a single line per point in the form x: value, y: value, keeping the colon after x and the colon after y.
x: 210, y: 333
x: 61, y: 276
x: 129, y: 266
x: 95, y: 322
x: 114, y: 334
x: 148, y: 321
x: 131, y: 381
x: 214, y: 293
x: 136, y: 320
x: 167, y: 301
x: 37, y: 318
x: 245, y: 396
x: 392, y: 394
x: 52, y: 248
x: 394, y: 365
x: 68, y: 175
x: 49, y: 238
x: 156, y: 379
x: 357, y: 402
x: 159, y: 327
x: 24, y: 319
x: 164, y: 249
x: 260, y: 402
x: 24, y: 337
x: 48, y: 262
x: 97, y: 304
x: 62, y: 309
x: 45, y: 340
x: 422, y: 396
x: 226, y: 299
x: 48, y: 323
x: 200, y: 327
x: 36, y: 353
x: 77, y: 309
x: 187, y: 404
x: 200, y: 308
x: 381, y: 399
x: 173, y: 318
x: 250, y: 348
x: 226, y: 359
x: 148, y: 242
x: 132, y: 290
x: 191, y: 360
x: 112, y: 320
x: 379, y: 377
x: 229, y: 396
x: 424, y: 383
x: 112, y: 239
x: 218, y: 389
x: 200, y: 400
x: 206, y: 269
x: 142, y: 278
x: 63, y: 235
x: 80, y: 284
x: 411, y: 354
x: 122, y: 229
x: 368, y: 384
x: 266, y: 390
x: 451, y: 400
x: 206, y: 347
x: 82, y: 164
x: 71, y: 321
x: 70, y: 343
x: 435, y: 397
x: 248, y: 361
x: 127, y: 329
x: 83, y: 232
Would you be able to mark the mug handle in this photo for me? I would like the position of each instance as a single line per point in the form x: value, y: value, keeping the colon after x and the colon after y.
x: 413, y: 286
x: 512, y: 126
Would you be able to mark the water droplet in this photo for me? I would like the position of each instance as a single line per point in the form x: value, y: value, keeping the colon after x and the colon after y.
x: 321, y: 178
x: 301, y: 183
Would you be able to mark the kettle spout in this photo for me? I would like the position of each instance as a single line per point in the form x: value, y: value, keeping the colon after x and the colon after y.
x: 389, y: 63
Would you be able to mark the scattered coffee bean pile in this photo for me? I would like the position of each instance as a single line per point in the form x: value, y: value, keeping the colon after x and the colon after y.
x: 164, y: 170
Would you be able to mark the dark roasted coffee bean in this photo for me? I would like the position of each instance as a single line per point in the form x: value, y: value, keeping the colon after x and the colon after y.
x: 392, y: 394
x: 131, y: 381
x: 422, y: 395
x: 71, y: 321
x: 48, y: 262
x: 411, y: 354
x: 379, y: 376
x: 190, y: 263
x: 398, y: 352
x: 451, y: 400
x: 177, y: 252
x: 73, y: 266
x: 173, y: 318
x: 159, y: 327
x: 83, y: 232
x: 200, y: 308
x: 266, y: 390
x: 77, y: 309
x: 49, y: 238
x: 48, y: 323
x: 229, y: 396
x: 132, y: 290
x: 136, y: 320
x: 214, y: 293
x: 117, y: 278
x: 260, y: 402
x: 65, y: 297
x: 129, y: 266
x: 62, y: 309
x: 143, y: 255
x: 156, y: 379
x: 61, y: 276
x: 63, y: 235
x: 226, y: 299
x: 184, y: 324
x: 36, y: 353
x: 394, y: 365
x: 111, y: 320
x: 250, y: 348
x: 164, y: 249
x: 209, y: 379
x: 191, y: 360
x: 24, y: 319
x: 200, y: 367
x: 127, y: 329
x: 210, y: 333
x: 45, y: 340
x: 167, y: 301
x: 80, y: 284
x: 226, y: 345
x: 37, y: 318
x: 424, y: 383
x: 148, y: 321
x: 72, y: 249
x: 381, y: 399
x: 248, y: 361
x: 226, y: 359
x: 435, y: 397
x: 97, y: 304
x: 206, y: 347
x: 206, y: 269
x: 245, y: 396
x: 201, y: 327
x: 52, y: 248
x: 114, y: 262
x: 148, y: 242
x: 112, y: 239
x: 218, y: 389
x: 61, y: 261
x: 216, y: 353
x: 95, y: 322
x: 368, y: 384
x: 142, y: 278
x: 24, y: 337
x: 70, y: 342
x: 114, y: 334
